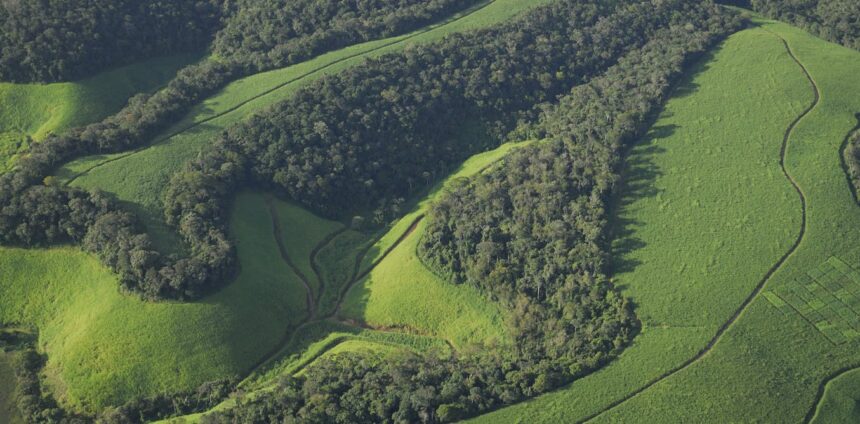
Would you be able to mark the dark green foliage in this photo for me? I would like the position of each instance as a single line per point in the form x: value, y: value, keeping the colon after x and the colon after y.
x: 852, y: 161
x: 274, y: 33
x: 833, y: 20
x: 542, y: 212
x: 53, y: 40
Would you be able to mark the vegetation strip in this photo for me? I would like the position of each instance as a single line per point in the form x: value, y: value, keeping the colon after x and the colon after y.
x: 855, y: 132
x: 239, y: 105
x: 758, y: 289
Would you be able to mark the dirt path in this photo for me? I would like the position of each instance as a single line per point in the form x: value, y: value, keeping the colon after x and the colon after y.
x: 776, y: 266
x: 278, y: 234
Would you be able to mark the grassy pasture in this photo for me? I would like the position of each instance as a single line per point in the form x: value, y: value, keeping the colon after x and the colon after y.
x: 769, y: 366
x: 139, y: 179
x: 39, y: 109
x: 401, y: 291
x: 703, y: 212
x: 105, y: 347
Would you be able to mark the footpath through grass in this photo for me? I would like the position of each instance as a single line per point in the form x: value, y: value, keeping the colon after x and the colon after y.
x: 703, y: 214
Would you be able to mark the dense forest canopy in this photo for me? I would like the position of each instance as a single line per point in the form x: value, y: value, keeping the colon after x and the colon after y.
x: 53, y: 40
x: 270, y: 33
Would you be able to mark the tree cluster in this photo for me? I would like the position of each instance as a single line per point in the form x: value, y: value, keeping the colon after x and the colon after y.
x: 530, y: 233
x: 274, y: 33
x: 53, y: 40
x: 852, y: 161
x: 834, y: 20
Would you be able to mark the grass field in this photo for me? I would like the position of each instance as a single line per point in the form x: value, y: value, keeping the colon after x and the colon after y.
x: 39, y: 109
x: 703, y: 214
x: 401, y: 292
x: 105, y: 347
x: 139, y: 179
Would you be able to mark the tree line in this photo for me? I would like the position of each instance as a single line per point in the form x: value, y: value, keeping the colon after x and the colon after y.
x: 531, y: 233
x: 851, y: 159
x: 834, y: 20
x: 274, y: 33
x: 54, y: 40
x: 358, y: 138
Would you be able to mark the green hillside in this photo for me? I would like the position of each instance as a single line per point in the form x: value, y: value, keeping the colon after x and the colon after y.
x: 696, y: 241
x: 38, y: 109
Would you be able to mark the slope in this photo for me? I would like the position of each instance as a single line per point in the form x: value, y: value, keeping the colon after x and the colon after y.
x: 692, y: 239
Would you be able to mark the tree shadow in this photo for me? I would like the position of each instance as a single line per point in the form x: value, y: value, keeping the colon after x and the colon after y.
x: 637, y: 181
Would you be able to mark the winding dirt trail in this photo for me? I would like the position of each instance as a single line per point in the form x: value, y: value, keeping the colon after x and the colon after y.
x: 776, y: 266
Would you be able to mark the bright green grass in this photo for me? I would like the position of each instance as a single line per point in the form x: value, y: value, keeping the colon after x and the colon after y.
x: 139, y: 179
x: 768, y: 366
x: 705, y: 211
x: 105, y: 347
x: 401, y: 291
x: 841, y: 401
x: 8, y: 410
x: 302, y: 231
x: 39, y: 109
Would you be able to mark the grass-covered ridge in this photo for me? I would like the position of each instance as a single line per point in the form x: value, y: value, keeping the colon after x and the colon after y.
x: 34, y: 110
x: 105, y: 347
